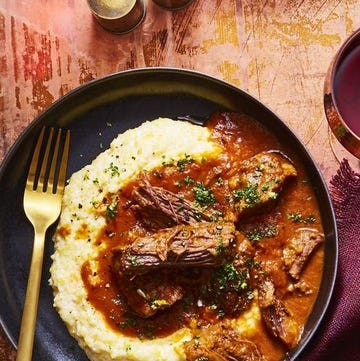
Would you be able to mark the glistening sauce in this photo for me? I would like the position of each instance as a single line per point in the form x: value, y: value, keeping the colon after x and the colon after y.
x: 242, y: 138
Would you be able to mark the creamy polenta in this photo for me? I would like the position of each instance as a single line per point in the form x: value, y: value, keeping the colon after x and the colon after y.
x: 82, y: 220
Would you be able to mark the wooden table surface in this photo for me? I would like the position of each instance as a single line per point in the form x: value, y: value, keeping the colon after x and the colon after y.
x: 278, y: 51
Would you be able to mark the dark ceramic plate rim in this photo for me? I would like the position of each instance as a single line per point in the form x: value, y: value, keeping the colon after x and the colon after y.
x: 162, y: 83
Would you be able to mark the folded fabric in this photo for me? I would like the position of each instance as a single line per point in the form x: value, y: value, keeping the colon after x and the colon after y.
x: 338, y: 337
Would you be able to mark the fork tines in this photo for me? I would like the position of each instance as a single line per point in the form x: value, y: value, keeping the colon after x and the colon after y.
x: 47, y: 171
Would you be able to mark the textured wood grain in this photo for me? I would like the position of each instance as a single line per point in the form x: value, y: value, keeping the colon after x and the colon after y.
x: 278, y: 51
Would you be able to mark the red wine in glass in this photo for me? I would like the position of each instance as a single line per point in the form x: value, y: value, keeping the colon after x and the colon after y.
x: 347, y: 90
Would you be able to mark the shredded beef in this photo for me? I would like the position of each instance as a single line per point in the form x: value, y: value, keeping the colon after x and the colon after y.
x: 199, y: 245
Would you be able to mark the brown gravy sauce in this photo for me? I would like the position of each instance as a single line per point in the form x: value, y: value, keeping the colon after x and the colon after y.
x: 242, y: 138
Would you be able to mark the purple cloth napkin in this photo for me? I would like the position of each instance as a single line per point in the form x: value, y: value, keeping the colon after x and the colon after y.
x: 338, y: 337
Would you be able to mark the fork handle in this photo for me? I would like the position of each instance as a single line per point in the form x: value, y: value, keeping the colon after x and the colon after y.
x: 28, y: 321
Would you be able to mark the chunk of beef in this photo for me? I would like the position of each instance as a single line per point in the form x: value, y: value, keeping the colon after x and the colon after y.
x: 150, y: 293
x: 160, y: 208
x: 275, y: 316
x: 301, y: 288
x: 258, y: 182
x: 299, y: 249
x: 230, y: 286
x: 244, y: 251
x: 199, y: 245
x: 231, y: 289
x: 221, y: 342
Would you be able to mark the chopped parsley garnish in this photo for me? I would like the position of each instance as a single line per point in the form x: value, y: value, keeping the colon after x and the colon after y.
x: 297, y: 217
x: 204, y: 196
x: 128, y: 322
x: 310, y: 219
x: 250, y: 262
x: 169, y: 163
x: 188, y: 180
x: 114, y: 169
x: 249, y: 194
x: 220, y: 250
x: 178, y: 184
x: 158, y: 303
x: 197, y: 341
x: 265, y: 231
x: 111, y: 208
x: 181, y: 163
x: 219, y: 182
x: 133, y: 260
x: 230, y: 277
x: 95, y: 204
x: 268, y: 188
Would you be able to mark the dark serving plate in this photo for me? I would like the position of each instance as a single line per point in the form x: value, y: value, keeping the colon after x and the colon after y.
x: 95, y: 113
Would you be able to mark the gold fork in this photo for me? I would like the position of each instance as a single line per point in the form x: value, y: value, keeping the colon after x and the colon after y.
x: 42, y: 204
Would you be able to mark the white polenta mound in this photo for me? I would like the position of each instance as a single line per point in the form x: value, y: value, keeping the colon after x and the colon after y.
x: 81, y: 221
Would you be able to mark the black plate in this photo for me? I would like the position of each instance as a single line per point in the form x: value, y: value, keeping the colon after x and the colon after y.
x: 95, y: 113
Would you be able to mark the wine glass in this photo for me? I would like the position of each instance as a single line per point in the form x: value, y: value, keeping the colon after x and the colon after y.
x: 342, y: 101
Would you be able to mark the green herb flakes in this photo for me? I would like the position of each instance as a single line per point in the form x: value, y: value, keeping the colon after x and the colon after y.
x: 111, y: 209
x: 230, y: 277
x: 113, y: 169
x: 181, y: 163
x: 133, y: 260
x: 220, y: 250
x: 263, y: 231
x: 204, y: 196
x: 249, y: 194
x: 297, y: 217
